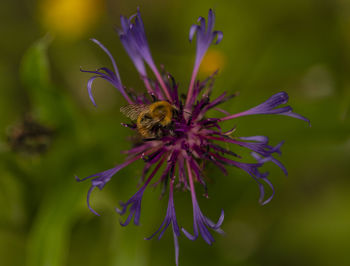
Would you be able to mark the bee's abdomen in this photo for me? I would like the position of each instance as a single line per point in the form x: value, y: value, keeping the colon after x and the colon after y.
x: 145, y: 124
x: 145, y: 119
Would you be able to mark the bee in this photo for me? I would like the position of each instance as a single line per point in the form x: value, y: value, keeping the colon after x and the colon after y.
x: 153, y: 121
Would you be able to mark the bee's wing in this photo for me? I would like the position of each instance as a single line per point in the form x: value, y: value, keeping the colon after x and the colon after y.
x: 133, y: 110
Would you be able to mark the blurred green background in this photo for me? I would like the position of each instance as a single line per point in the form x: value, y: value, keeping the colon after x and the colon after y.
x: 50, y: 131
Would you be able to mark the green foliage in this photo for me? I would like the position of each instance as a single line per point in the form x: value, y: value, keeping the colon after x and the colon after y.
x: 48, y: 103
x: 48, y: 243
x: 301, y: 47
x: 35, y: 68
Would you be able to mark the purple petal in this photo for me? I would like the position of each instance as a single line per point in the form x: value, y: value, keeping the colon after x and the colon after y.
x: 211, y: 20
x: 219, y: 36
x: 205, y: 37
x: 253, y: 171
x: 188, y: 235
x: 110, y: 76
x: 89, y: 87
x: 135, y: 201
x: 88, y: 201
x: 193, y: 31
x: 133, y: 54
x: 268, y: 159
x: 101, y: 179
x: 110, y: 57
x: 176, y: 245
x: 273, y: 191
x: 269, y: 107
x: 262, y: 139
x: 133, y: 38
x: 170, y: 218
x: 201, y: 222
x: 298, y: 116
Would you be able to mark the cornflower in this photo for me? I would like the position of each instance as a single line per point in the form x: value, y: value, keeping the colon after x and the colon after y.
x: 192, y: 139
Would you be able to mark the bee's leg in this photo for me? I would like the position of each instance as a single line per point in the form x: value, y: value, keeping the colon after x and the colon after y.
x: 168, y: 130
x: 171, y: 131
x: 132, y: 126
x: 154, y: 99
x: 149, y: 139
x: 157, y: 131
x: 175, y: 113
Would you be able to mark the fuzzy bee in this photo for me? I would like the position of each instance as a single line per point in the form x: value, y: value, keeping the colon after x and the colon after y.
x: 153, y: 121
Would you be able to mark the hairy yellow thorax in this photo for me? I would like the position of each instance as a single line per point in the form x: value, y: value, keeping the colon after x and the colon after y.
x: 161, y: 111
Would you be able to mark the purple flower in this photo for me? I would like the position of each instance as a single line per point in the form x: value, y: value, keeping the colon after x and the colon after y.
x: 190, y: 139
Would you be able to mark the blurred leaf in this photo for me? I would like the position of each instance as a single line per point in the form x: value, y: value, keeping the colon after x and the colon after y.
x: 11, y: 201
x: 35, y: 77
x: 344, y: 105
x: 48, y: 102
x: 11, y: 245
x: 35, y: 70
x: 48, y: 244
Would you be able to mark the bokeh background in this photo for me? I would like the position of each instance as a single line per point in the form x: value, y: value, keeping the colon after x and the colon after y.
x: 50, y: 131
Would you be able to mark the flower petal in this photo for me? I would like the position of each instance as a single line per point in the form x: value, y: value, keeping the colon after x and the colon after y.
x: 205, y: 36
x: 135, y: 201
x: 100, y: 179
x: 269, y: 107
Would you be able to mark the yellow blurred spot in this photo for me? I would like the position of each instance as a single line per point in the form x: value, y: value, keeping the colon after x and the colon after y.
x: 70, y: 18
x: 212, y: 61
